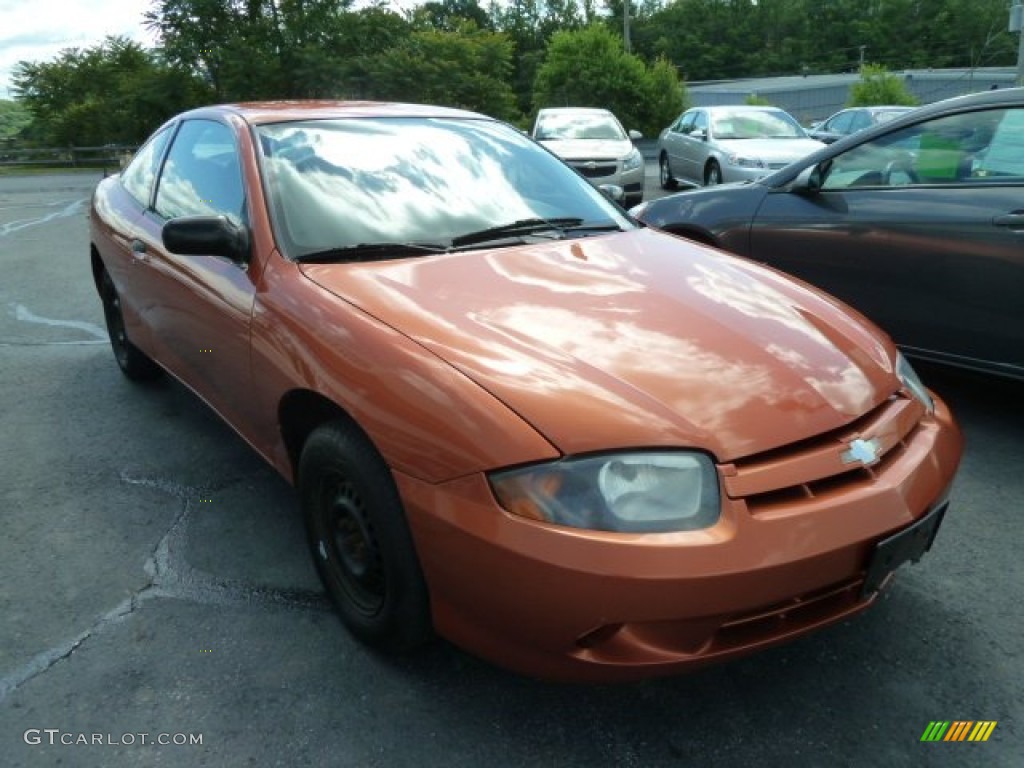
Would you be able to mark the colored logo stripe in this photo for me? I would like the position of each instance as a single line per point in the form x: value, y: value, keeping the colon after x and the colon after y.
x: 935, y: 730
x: 982, y: 730
x: 958, y: 730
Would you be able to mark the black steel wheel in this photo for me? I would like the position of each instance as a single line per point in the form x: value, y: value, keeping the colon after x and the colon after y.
x: 130, y: 359
x: 360, y: 541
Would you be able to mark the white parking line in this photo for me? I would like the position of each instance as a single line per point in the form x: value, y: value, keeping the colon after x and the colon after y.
x: 25, y: 315
x: 16, y: 226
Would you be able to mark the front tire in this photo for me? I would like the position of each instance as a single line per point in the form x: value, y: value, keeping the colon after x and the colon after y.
x: 132, y: 361
x: 360, y: 541
x: 713, y: 175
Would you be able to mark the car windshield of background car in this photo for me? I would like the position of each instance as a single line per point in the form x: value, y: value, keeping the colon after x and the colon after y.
x: 340, y: 183
x: 580, y: 126
x: 755, y: 125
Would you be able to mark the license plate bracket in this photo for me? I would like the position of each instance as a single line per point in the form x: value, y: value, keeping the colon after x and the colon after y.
x: 907, y: 545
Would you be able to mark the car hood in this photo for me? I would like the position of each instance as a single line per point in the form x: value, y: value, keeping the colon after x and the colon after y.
x: 772, y: 150
x: 589, y: 149
x: 636, y: 339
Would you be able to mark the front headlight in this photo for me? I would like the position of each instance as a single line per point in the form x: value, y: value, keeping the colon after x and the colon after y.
x: 641, y: 492
x: 633, y: 160
x: 908, y: 377
x: 740, y: 161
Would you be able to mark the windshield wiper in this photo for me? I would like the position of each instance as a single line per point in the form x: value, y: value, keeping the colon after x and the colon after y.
x: 369, y: 252
x: 521, y: 227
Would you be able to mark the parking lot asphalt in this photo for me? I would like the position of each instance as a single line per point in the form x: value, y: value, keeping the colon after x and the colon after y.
x: 155, y: 587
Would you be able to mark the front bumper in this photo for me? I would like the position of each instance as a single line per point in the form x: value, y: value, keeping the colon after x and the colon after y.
x: 599, y: 172
x: 570, y: 604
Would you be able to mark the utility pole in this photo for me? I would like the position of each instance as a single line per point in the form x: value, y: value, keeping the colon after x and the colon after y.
x: 862, y: 49
x: 1017, y: 25
x: 625, y: 25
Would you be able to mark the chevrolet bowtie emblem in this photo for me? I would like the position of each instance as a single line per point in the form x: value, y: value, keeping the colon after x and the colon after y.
x: 863, y: 451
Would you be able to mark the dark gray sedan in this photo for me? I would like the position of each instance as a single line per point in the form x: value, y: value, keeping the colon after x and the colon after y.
x: 919, y: 223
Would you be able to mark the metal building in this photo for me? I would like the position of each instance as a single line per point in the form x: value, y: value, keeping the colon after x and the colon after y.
x: 815, y: 97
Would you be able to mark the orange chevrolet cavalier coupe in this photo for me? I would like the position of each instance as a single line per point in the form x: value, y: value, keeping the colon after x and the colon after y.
x: 579, y: 448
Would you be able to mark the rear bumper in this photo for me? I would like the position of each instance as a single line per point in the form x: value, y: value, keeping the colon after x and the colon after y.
x: 583, y: 605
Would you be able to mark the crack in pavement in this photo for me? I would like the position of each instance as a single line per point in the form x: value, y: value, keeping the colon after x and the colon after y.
x: 170, y: 576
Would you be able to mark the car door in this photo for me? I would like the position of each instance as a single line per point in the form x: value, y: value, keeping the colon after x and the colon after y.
x: 672, y: 142
x: 694, y: 147
x: 922, y: 229
x: 200, y: 305
x: 124, y: 214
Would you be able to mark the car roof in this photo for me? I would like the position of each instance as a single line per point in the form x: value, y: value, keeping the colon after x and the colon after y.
x: 745, y: 107
x: 263, y: 112
x: 577, y: 110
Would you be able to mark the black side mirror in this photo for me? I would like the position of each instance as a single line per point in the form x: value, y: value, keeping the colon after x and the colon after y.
x: 206, y: 236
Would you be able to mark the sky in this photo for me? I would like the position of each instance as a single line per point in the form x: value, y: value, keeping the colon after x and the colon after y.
x: 37, y: 30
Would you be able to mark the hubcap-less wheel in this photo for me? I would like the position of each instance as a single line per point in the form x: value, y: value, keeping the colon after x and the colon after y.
x: 360, y: 540
x: 130, y: 359
x: 357, y: 566
x: 115, y: 321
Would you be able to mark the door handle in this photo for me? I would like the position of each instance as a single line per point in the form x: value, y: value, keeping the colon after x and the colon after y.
x: 1013, y: 220
x: 139, y: 249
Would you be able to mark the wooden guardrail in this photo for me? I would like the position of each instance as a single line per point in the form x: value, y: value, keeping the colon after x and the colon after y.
x: 109, y: 156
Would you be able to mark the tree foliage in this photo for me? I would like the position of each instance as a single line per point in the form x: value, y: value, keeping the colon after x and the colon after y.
x: 15, y: 119
x: 467, y: 67
x: 113, y: 92
x: 504, y: 57
x: 590, y: 68
x: 712, y: 39
x: 878, y: 86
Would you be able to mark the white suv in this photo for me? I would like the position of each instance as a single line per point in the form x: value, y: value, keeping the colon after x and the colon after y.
x: 594, y: 142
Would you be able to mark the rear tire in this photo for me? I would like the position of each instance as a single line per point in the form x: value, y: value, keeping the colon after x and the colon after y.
x: 665, y: 176
x: 132, y: 361
x: 359, y: 539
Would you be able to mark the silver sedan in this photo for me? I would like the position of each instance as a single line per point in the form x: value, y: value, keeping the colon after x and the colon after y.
x: 712, y: 145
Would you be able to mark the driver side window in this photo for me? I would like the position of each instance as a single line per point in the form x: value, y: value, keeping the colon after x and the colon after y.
x: 947, y: 150
x: 140, y: 174
x: 202, y: 176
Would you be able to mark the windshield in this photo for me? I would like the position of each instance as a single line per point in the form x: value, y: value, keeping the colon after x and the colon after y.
x: 335, y: 184
x: 579, y: 125
x: 755, y: 124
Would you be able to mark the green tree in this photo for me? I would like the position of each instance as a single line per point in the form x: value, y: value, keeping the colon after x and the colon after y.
x: 113, y: 92
x: 589, y: 68
x: 666, y: 97
x: 878, y: 86
x: 14, y: 119
x: 467, y: 68
x: 449, y: 15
